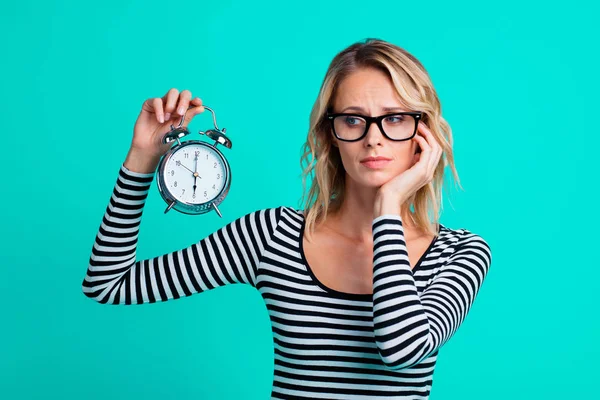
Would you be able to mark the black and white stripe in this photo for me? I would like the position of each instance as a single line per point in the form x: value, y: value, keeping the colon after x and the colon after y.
x: 230, y: 255
x: 409, y: 326
x: 328, y: 344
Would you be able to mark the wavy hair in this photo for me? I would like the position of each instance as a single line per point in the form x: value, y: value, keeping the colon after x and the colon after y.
x: 321, y: 160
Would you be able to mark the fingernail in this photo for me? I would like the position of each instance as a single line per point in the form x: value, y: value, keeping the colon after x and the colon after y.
x: 168, y: 116
x: 180, y: 110
x: 161, y: 119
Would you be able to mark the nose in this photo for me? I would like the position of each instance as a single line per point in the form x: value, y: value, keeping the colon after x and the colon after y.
x: 374, y: 136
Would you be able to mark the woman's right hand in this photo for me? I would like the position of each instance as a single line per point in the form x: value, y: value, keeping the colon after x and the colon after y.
x: 155, y: 119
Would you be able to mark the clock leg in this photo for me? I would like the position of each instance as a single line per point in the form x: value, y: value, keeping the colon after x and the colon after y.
x: 170, y: 206
x: 216, y: 209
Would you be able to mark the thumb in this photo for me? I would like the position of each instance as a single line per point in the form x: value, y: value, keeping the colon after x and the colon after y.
x: 197, y: 107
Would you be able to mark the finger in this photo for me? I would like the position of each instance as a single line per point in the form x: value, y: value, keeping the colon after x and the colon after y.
x: 430, y: 137
x: 425, y: 131
x: 196, y: 106
x: 435, y: 158
x: 435, y: 145
x: 439, y: 153
x: 423, y: 157
x: 196, y: 102
x: 423, y: 127
x: 425, y: 147
x: 150, y: 106
x: 436, y: 149
x: 183, y: 102
x: 153, y: 105
x: 158, y: 109
x: 170, y: 100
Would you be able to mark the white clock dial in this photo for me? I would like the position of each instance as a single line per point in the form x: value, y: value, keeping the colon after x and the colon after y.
x: 179, y: 174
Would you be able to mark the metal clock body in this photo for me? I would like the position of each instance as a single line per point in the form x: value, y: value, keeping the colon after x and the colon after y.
x: 194, y: 177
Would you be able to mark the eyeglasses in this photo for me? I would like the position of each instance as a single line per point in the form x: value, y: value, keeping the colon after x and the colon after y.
x: 396, y: 126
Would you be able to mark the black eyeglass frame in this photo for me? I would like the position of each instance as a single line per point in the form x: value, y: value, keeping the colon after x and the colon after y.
x: 417, y: 115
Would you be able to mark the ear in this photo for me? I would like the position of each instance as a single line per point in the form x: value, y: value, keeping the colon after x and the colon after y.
x: 415, y: 158
x: 417, y: 146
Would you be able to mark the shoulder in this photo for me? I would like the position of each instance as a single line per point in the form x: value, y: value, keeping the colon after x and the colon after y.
x: 283, y: 212
x: 475, y: 243
x: 277, y: 212
x: 467, y: 245
x: 271, y: 217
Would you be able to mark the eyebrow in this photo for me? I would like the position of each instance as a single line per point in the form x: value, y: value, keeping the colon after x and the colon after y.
x: 356, y: 108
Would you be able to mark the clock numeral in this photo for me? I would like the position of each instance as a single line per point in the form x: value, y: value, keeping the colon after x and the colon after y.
x: 197, y: 153
x: 214, y: 187
x: 175, y: 184
x: 205, y: 193
x: 215, y: 165
x: 178, y: 163
x: 218, y: 176
x: 194, y: 196
x: 172, y: 172
x: 207, y: 156
x: 186, y: 155
x: 183, y: 191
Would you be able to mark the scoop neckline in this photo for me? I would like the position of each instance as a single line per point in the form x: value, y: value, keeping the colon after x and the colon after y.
x: 348, y: 295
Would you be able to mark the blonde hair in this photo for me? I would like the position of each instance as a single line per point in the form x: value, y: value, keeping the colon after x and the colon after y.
x: 321, y: 160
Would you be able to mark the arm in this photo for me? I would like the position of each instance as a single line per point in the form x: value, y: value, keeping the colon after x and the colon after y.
x: 409, y: 328
x: 229, y: 255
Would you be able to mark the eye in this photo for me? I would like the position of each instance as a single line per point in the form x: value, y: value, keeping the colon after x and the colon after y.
x: 353, y: 120
x: 395, y: 118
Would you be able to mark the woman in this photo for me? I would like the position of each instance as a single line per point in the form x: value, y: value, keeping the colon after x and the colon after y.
x: 362, y: 291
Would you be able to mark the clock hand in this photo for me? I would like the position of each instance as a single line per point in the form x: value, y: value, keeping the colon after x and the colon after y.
x: 196, y: 175
x: 180, y: 163
x: 196, y: 168
x: 195, y: 172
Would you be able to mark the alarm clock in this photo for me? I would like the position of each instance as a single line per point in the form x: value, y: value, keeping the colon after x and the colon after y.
x: 194, y: 177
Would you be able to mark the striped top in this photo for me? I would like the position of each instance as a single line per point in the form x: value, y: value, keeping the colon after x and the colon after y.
x: 328, y: 344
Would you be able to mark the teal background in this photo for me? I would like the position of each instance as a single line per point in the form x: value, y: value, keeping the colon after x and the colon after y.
x: 518, y: 83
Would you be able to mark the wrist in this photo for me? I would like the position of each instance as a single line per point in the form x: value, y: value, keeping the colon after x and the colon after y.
x: 387, y: 203
x: 141, y: 161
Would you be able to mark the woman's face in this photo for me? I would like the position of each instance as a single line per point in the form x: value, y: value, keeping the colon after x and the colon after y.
x: 370, y: 92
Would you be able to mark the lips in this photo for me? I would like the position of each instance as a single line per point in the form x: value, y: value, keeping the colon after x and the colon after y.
x: 378, y: 158
x: 375, y: 162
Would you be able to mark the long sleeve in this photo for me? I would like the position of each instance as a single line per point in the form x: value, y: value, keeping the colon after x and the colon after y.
x: 409, y: 327
x: 229, y: 255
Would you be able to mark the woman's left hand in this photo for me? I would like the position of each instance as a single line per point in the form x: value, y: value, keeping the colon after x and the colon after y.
x: 398, y: 190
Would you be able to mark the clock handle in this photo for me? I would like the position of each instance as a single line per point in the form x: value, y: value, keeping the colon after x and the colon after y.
x: 214, y: 117
x: 217, y: 134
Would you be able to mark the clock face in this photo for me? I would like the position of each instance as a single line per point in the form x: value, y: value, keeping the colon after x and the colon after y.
x: 195, y: 174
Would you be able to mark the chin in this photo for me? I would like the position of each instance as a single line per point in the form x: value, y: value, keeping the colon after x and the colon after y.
x: 373, y: 179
